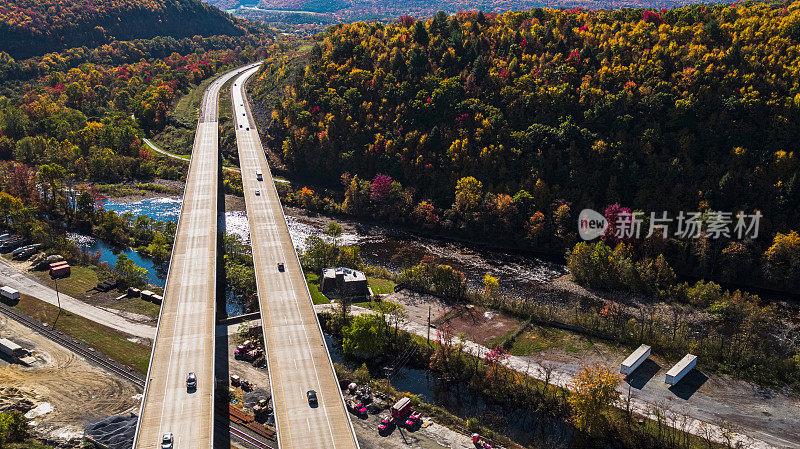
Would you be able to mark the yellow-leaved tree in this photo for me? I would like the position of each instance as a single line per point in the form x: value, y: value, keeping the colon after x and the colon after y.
x: 592, y: 392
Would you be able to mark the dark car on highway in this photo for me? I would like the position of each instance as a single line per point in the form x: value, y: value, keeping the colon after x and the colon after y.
x: 312, y: 397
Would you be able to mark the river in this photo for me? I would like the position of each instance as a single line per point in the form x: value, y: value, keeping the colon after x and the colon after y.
x: 517, y: 274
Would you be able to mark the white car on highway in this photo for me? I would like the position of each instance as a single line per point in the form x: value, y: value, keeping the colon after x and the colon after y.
x: 166, y: 441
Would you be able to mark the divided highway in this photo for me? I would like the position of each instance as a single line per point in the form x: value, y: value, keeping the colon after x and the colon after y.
x: 297, y: 357
x: 185, y: 336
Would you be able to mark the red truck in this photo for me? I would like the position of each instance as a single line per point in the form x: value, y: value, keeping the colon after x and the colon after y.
x: 401, y: 408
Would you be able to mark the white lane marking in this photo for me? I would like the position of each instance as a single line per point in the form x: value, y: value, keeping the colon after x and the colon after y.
x: 275, y: 232
x: 180, y: 302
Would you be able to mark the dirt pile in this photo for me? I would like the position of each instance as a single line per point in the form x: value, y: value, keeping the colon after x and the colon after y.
x: 116, y: 431
x: 14, y: 399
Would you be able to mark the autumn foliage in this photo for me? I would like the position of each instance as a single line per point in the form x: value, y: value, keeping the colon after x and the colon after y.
x: 688, y: 109
x: 592, y: 392
x: 32, y: 27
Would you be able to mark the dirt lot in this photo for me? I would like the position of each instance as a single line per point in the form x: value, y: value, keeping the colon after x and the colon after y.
x: 483, y: 326
x: 433, y: 436
x: 66, y: 389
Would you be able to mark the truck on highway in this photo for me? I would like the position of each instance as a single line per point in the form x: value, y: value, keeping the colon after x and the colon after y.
x: 9, y: 293
x: 677, y: 372
x: 634, y: 360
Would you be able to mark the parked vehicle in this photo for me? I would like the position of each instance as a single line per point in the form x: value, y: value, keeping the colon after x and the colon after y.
x: 414, y: 419
x: 634, y: 360
x: 356, y: 408
x: 9, y: 293
x: 12, y: 244
x: 12, y: 349
x: 677, y: 372
x: 24, y: 255
x: 386, y: 424
x: 401, y: 408
x: 262, y: 409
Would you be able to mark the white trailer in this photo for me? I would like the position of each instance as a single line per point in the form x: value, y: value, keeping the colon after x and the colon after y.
x: 676, y: 373
x: 634, y: 360
x: 10, y: 348
x: 9, y: 293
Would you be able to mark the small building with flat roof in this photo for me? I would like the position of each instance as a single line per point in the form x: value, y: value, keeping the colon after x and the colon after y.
x: 345, y: 282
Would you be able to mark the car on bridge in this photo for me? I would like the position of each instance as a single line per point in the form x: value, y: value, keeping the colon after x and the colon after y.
x: 191, y: 381
x: 166, y: 441
x: 312, y: 397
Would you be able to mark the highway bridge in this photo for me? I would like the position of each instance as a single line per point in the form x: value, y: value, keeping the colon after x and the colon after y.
x: 185, y: 337
x: 297, y: 357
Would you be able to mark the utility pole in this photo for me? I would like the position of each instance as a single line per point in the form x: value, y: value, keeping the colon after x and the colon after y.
x: 388, y: 371
x: 58, y: 298
x: 429, y: 325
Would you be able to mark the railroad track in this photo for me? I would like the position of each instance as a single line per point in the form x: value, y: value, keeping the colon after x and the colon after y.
x: 244, y: 437
x: 74, y: 346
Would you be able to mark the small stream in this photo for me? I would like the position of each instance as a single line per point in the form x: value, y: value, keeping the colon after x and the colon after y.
x: 519, y: 425
x: 156, y: 273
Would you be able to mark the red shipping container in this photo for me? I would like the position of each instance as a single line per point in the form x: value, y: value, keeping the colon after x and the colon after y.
x: 61, y: 269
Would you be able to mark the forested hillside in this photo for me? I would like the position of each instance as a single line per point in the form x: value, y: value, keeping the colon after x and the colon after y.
x: 34, y: 27
x: 73, y: 121
x: 503, y: 127
x: 351, y: 10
